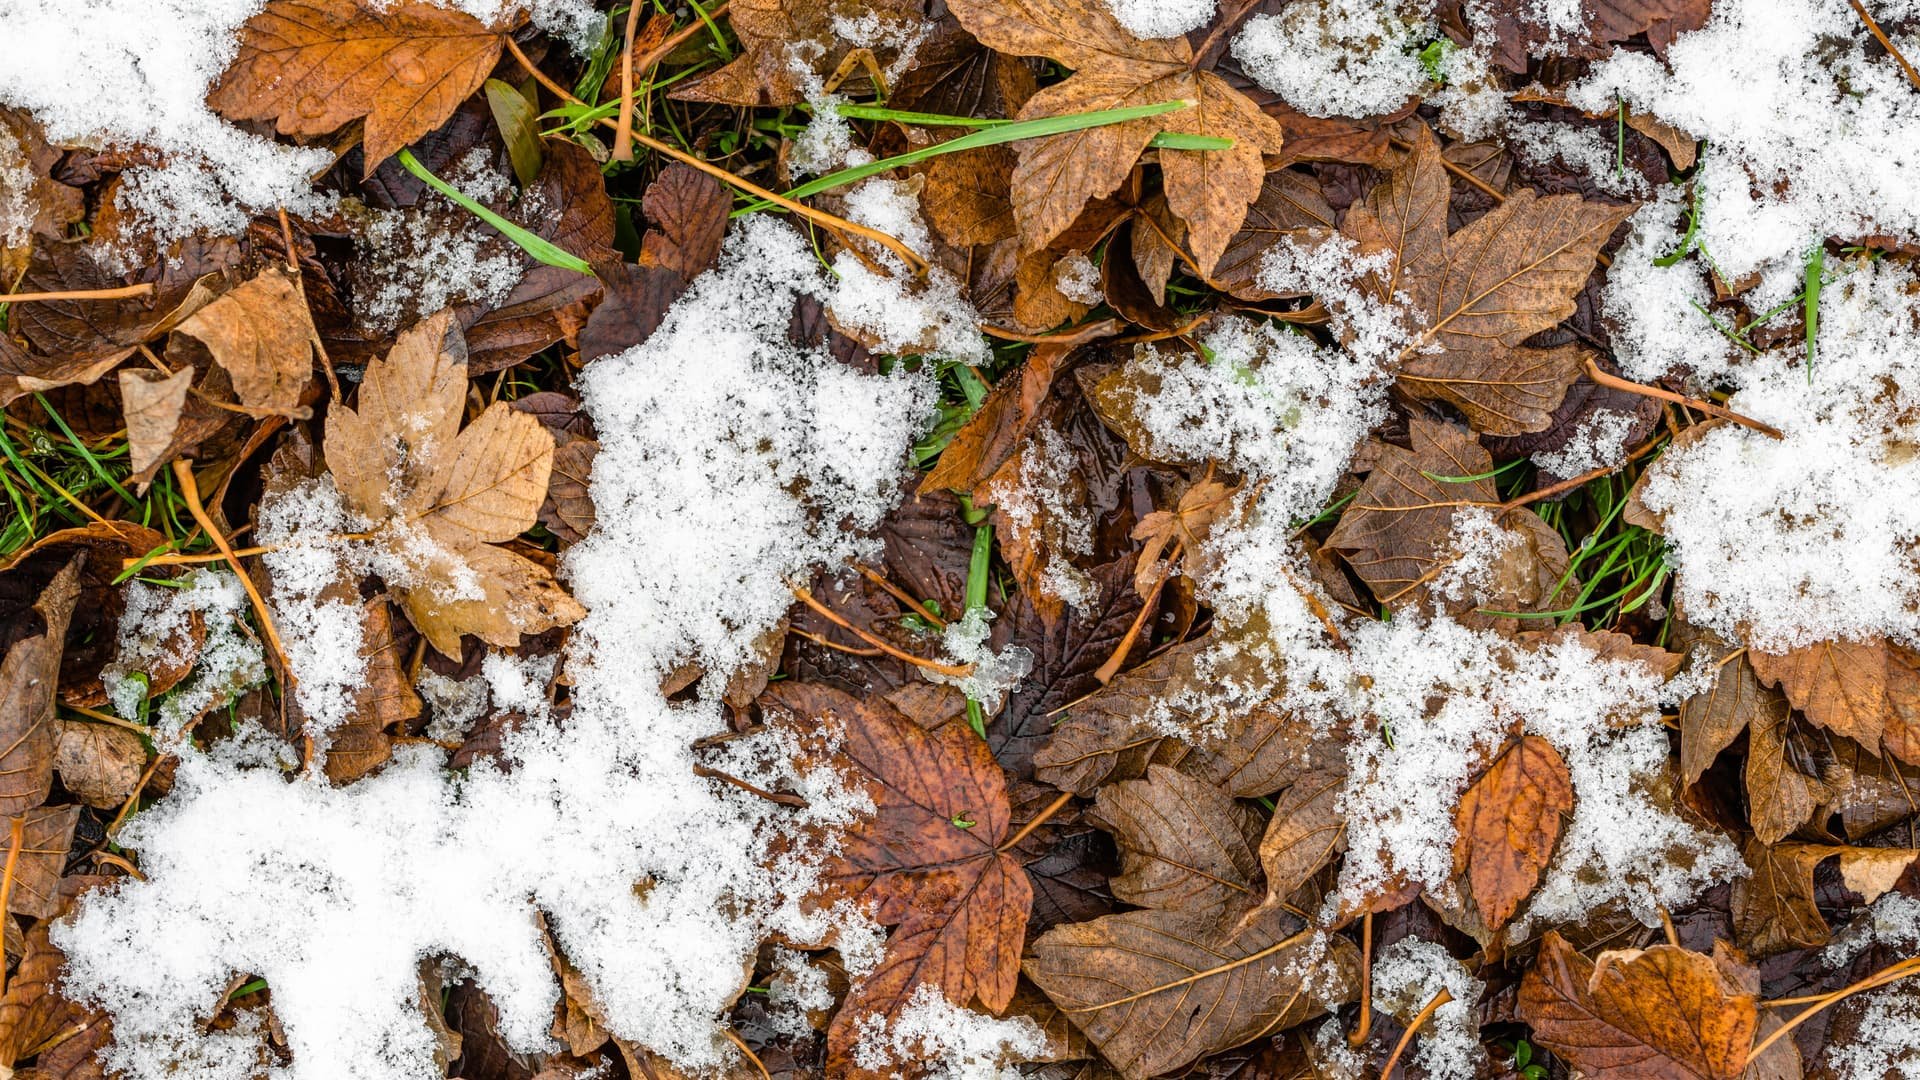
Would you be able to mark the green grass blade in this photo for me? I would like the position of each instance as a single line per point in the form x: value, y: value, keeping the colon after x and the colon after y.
x: 1815, y: 264
x: 540, y: 248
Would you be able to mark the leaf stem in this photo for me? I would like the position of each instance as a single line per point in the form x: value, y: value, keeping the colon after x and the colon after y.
x: 1406, y: 1036
x: 957, y: 671
x: 1039, y: 819
x: 122, y: 293
x: 1614, y: 382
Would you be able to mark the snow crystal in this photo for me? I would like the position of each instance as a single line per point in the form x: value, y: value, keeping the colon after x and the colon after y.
x: 1600, y: 441
x: 453, y: 705
x: 798, y: 987
x: 965, y: 640
x: 1161, y: 18
x: 1078, y: 279
x: 413, y: 263
x: 1783, y: 542
x: 1657, y: 313
x: 1409, y: 973
x: 723, y: 474
x: 1590, y: 151
x: 1477, y: 545
x: 958, y: 1043
x: 17, y: 205
x: 157, y: 624
x: 1886, y: 1041
x: 1339, y: 57
x: 1797, y: 133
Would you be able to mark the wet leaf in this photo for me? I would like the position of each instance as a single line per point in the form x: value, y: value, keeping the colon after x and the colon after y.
x: 1185, y: 845
x: 313, y: 65
x: 1508, y: 823
x: 29, y: 675
x: 1867, y: 690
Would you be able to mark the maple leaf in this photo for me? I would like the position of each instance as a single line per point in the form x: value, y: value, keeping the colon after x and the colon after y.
x: 1508, y: 822
x: 261, y: 334
x: 1867, y: 690
x: 1661, y: 1013
x: 440, y: 496
x: 1059, y: 174
x: 930, y: 863
x: 1483, y: 291
x: 311, y: 66
x: 1187, y: 524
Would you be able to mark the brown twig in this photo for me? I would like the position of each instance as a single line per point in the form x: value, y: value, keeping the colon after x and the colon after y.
x: 1886, y: 42
x: 623, y: 128
x: 1406, y: 1036
x: 190, y: 491
x: 900, y: 594
x: 1891, y: 973
x: 837, y: 225
x: 1364, y: 1026
x: 729, y: 1032
x: 134, y: 795
x: 781, y: 797
x: 956, y: 671
x: 836, y: 646
x: 17, y: 826
x: 1614, y: 382
x: 1555, y: 490
x: 1112, y: 667
x: 106, y: 718
x: 122, y: 293
x: 1039, y: 819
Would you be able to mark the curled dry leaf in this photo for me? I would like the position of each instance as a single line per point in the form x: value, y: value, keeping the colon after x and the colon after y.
x: 440, y: 496
x: 1059, y: 174
x: 261, y: 334
x: 788, y: 44
x: 1187, y: 524
x: 29, y: 675
x: 1508, y: 823
x: 99, y: 763
x: 153, y: 404
x: 311, y: 66
x: 1661, y: 1013
x: 1867, y: 690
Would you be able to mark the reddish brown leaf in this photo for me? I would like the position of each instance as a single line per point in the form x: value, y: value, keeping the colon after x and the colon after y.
x: 990, y: 437
x: 313, y: 65
x: 1655, y: 1014
x: 1508, y: 822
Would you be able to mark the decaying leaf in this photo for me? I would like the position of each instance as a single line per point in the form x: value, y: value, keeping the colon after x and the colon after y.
x: 153, y: 405
x: 442, y: 496
x: 1867, y: 690
x: 785, y: 44
x: 99, y: 763
x: 313, y: 65
x: 1185, y: 845
x: 260, y: 333
x: 29, y: 674
x: 46, y: 835
x: 1661, y: 1012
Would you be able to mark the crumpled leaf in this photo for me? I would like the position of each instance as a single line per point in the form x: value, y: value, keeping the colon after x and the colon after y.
x: 153, y: 405
x: 992, y: 435
x: 1185, y: 845
x: 928, y: 863
x: 99, y: 763
x: 1059, y: 174
x: 786, y: 44
x: 29, y: 675
x: 26, y: 167
x: 311, y: 66
x: 1508, y: 823
x: 1661, y: 1013
x: 260, y: 333
x: 1187, y: 524
x: 401, y: 459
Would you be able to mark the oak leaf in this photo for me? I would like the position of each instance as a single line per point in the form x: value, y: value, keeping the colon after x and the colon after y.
x: 29, y: 675
x: 1661, y: 1013
x: 1059, y: 174
x: 311, y: 66
x: 441, y: 497
x: 1481, y: 292
x: 929, y: 863
x: 1508, y: 823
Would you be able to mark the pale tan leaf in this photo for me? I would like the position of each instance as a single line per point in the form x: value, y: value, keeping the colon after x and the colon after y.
x: 260, y: 333
x: 152, y: 403
x: 99, y: 763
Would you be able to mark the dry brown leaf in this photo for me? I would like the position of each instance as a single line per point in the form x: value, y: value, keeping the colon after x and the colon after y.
x: 153, y: 405
x: 401, y: 459
x: 45, y: 838
x: 1290, y: 203
x: 383, y: 699
x: 1185, y: 845
x: 1156, y: 990
x: 786, y: 44
x: 568, y: 509
x: 28, y: 677
x: 1306, y: 832
x: 261, y: 334
x: 1188, y: 523
x: 1661, y: 1013
x: 968, y: 196
x: 311, y: 66
x: 1867, y: 690
x: 1508, y: 823
x: 33, y: 1010
x: 26, y: 181
x: 1483, y: 291
x: 1002, y: 423
x: 99, y: 763
x: 1058, y: 175
x: 1773, y: 909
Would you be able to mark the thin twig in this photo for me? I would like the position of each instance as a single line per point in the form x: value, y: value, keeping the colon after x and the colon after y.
x: 623, y: 129
x: 818, y: 217
x: 106, y: 718
x: 1039, y: 819
x: 1616, y: 383
x: 1406, y: 1036
x: 781, y: 797
x: 190, y: 491
x: 122, y: 293
x: 1891, y: 973
x: 827, y: 643
x: 1552, y: 491
x: 1111, y: 668
x: 900, y: 594
x: 17, y: 826
x: 1364, y: 1026
x: 957, y: 671
x: 729, y: 1032
x: 1886, y: 42
x: 134, y: 795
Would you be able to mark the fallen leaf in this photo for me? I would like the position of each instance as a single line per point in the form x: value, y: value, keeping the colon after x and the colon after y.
x: 788, y: 44
x: 1661, y: 1013
x: 1156, y: 990
x: 401, y: 459
x: 260, y: 333
x: 99, y: 763
x: 45, y: 838
x: 311, y: 66
x: 1059, y: 174
x: 1307, y: 830
x: 1867, y: 690
x: 28, y: 677
x: 383, y: 700
x: 27, y: 163
x: 1508, y: 823
x: 1290, y: 203
x: 995, y: 432
x: 33, y: 1010
x: 1184, y: 844
x: 153, y: 404
x: 1187, y: 524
